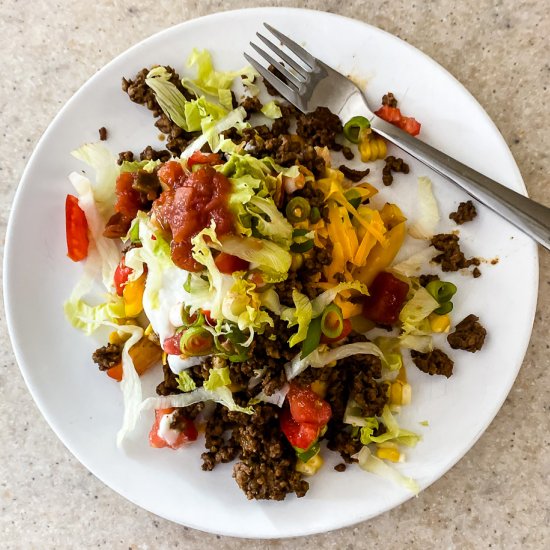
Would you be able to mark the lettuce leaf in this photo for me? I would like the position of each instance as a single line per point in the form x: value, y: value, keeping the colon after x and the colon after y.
x: 393, y: 432
x: 185, y: 382
x: 269, y: 221
x: 300, y: 315
x: 428, y: 216
x: 370, y: 463
x: 272, y: 110
x: 218, y: 377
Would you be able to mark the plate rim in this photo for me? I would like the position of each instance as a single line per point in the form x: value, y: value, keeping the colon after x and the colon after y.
x: 9, y: 244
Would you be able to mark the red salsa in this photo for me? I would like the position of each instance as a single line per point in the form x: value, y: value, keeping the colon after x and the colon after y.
x: 189, y: 205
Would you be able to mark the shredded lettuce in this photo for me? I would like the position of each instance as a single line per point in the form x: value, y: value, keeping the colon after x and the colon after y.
x: 319, y: 359
x: 370, y: 463
x: 276, y: 398
x: 212, y: 82
x: 414, y: 318
x: 412, y: 265
x: 191, y: 116
x: 269, y: 221
x: 393, y: 432
x: 300, y: 315
x: 185, y: 382
x: 389, y: 346
x: 218, y: 377
x: 428, y: 215
x: 106, y: 170
x: 135, y: 165
x: 221, y: 395
x: 272, y: 110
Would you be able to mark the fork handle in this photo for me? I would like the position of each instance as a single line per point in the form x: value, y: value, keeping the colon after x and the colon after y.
x: 527, y: 215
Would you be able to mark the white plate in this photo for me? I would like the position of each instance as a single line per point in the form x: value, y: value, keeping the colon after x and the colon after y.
x: 84, y: 407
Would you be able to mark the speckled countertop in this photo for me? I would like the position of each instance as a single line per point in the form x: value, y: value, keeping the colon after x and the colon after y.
x: 497, y: 496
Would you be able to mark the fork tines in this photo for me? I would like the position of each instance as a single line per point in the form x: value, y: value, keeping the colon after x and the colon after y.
x: 296, y: 78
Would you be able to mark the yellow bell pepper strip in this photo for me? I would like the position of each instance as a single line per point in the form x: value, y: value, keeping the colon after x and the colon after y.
x: 133, y: 296
x: 382, y: 256
x: 391, y: 215
x: 144, y: 354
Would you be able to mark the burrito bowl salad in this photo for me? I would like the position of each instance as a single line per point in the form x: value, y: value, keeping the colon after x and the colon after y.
x: 260, y: 274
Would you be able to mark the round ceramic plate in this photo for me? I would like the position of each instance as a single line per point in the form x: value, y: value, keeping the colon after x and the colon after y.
x: 84, y: 407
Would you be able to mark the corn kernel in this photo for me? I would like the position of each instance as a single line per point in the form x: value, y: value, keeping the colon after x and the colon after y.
x: 319, y: 387
x: 133, y: 297
x: 311, y: 467
x: 440, y: 323
x: 386, y: 453
x: 148, y: 330
x: 400, y: 393
x: 402, y: 375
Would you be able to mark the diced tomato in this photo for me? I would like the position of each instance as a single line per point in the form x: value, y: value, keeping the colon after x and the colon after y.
x: 345, y: 331
x: 171, y: 345
x: 115, y: 372
x: 122, y: 272
x: 171, y: 174
x: 203, y: 158
x: 394, y: 116
x: 306, y: 407
x: 128, y: 199
x: 228, y: 264
x: 410, y: 125
x: 76, y: 228
x: 387, y: 295
x: 189, y: 432
x: 389, y: 114
x: 298, y: 435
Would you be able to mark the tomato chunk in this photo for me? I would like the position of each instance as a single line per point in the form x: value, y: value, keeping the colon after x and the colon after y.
x: 228, y: 264
x: 387, y: 295
x: 199, y: 157
x: 186, y: 432
x: 171, y: 345
x: 299, y: 435
x: 122, y: 272
x: 306, y: 407
x: 76, y: 228
x: 394, y: 116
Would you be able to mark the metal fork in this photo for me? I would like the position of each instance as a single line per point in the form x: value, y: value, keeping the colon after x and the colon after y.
x: 310, y: 83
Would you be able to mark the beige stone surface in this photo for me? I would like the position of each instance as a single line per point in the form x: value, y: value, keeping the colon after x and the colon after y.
x: 498, y: 495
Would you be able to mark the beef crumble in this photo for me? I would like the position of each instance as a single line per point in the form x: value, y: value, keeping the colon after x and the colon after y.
x: 433, y: 362
x: 107, y: 356
x: 103, y: 133
x: 468, y: 335
x: 465, y: 212
x: 389, y: 100
x: 451, y: 257
x: 427, y: 278
x: 354, y: 175
x: 393, y: 164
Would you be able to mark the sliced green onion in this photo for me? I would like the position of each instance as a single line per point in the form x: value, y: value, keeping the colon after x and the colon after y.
x: 354, y: 126
x: 300, y: 248
x: 297, y: 210
x: 442, y: 291
x: 314, y: 215
x: 332, y: 321
x: 313, y: 337
x: 309, y: 453
x: 187, y: 284
x: 445, y: 308
x: 196, y: 341
x: 134, y: 232
x: 354, y: 197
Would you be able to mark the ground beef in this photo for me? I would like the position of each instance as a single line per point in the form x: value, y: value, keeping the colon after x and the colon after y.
x: 182, y: 415
x: 389, y: 100
x: 451, y: 257
x: 425, y: 279
x: 148, y: 184
x: 152, y: 154
x: 125, y: 156
x: 433, y: 362
x: 354, y: 175
x: 107, y: 356
x: 169, y: 386
x: 476, y: 272
x: 271, y: 90
x: 340, y: 467
x: 393, y: 165
x: 340, y: 440
x: 314, y: 195
x: 251, y: 105
x: 468, y: 335
x: 347, y: 152
x: 319, y: 127
x: 103, y: 133
x: 465, y: 212
x: 266, y: 460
